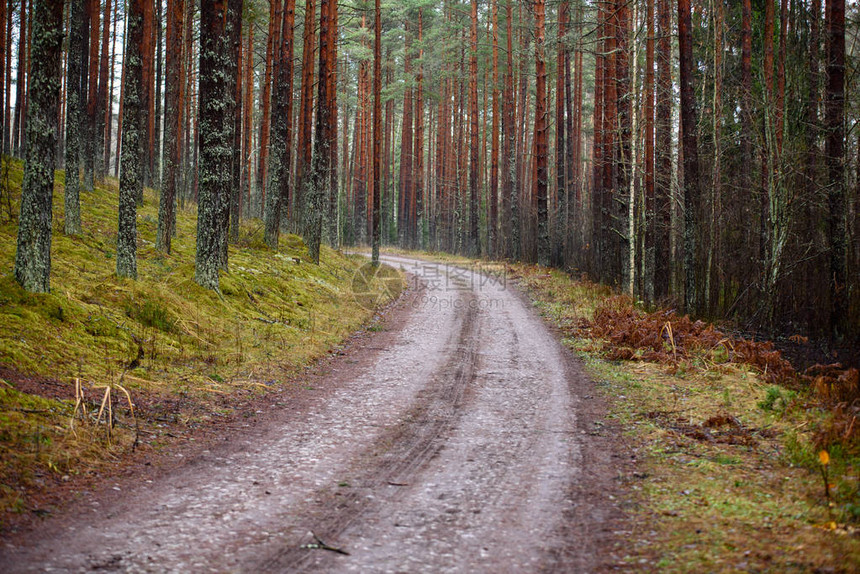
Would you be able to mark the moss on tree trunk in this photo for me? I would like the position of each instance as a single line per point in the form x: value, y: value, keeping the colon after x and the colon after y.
x: 33, y: 256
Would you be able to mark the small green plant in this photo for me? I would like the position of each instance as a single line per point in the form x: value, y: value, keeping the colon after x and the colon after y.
x: 151, y: 314
x: 776, y: 399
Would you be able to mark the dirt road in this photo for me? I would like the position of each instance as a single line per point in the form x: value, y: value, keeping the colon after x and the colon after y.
x: 459, y: 438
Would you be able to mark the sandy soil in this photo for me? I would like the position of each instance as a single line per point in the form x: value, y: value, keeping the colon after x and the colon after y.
x: 462, y: 437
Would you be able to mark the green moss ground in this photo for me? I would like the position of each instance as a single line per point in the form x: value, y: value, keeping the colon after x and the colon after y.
x: 276, y: 313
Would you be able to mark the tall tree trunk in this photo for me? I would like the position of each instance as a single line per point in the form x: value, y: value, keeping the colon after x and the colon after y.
x: 90, y: 127
x: 406, y: 146
x: 215, y: 141
x: 306, y: 112
x: 172, y: 105
x: 812, y: 125
x: 386, y: 203
x: 147, y: 50
x: 747, y: 123
x: 474, y: 244
x: 10, y: 9
x: 33, y: 253
x: 691, y: 155
x: 780, y: 76
x: 493, y: 223
x: 561, y: 136
x: 20, y: 83
x: 541, y: 128
x: 61, y: 120
x: 835, y: 154
x: 598, y: 148
x: 157, y: 117
x: 322, y: 141
x: 418, y: 154
x: 101, y: 101
x: 621, y: 203
x: 131, y: 170
x: 711, y: 283
x: 5, y: 49
x: 248, y: 124
x: 663, y: 155
x: 121, y: 100
x: 278, y: 197
x: 234, y: 111
x: 109, y: 103
x: 333, y: 192
x: 74, y: 119
x: 377, y: 130
x: 650, y: 219
x: 272, y: 45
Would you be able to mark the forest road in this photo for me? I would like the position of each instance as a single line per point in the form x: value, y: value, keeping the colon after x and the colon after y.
x: 461, y: 437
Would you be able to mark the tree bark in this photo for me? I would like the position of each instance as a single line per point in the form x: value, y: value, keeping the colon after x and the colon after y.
x: 33, y: 253
x: 172, y: 106
x: 377, y: 130
x: 272, y: 45
x: 561, y: 135
x: 147, y: 50
x: 131, y: 170
x: 649, y: 171
x: 493, y: 223
x: 20, y: 83
x: 214, y: 170
x: 474, y: 244
x: 10, y: 9
x: 278, y: 197
x: 835, y: 154
x: 418, y: 154
x: 406, y: 147
x: 102, y: 100
x: 74, y: 113
x: 306, y: 113
x: 322, y: 142
x: 691, y: 156
x: 541, y: 178
x: 90, y: 127
x: 234, y: 30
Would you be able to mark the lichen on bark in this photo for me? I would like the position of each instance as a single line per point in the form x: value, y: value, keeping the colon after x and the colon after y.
x: 33, y: 254
x: 131, y: 170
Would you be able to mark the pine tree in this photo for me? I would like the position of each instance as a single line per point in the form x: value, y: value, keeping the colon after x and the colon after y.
x: 214, y: 170
x: 131, y: 168
x: 33, y: 254
x: 172, y: 107
x: 74, y: 119
x: 691, y: 156
x: 278, y: 198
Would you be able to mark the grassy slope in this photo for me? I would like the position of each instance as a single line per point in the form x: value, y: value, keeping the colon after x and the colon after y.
x: 199, y: 349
